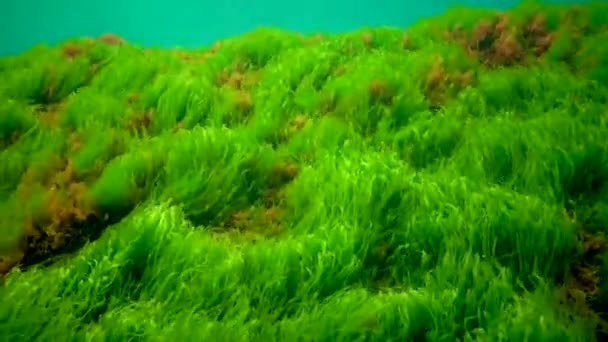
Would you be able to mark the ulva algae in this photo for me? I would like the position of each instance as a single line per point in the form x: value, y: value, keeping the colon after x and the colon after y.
x: 444, y: 182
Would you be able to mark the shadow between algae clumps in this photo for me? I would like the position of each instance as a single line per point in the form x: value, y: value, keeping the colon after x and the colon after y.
x: 445, y: 182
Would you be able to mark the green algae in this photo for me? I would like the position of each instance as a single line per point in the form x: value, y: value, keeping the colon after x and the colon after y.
x: 446, y: 182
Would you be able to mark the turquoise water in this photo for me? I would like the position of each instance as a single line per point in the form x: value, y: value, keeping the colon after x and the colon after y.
x: 189, y: 23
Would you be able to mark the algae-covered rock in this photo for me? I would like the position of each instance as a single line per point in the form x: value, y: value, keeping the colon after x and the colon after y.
x: 443, y: 182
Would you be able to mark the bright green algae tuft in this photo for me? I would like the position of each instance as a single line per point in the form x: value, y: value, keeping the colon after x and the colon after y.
x: 447, y: 182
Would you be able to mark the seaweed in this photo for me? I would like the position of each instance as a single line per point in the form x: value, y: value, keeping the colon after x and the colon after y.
x: 448, y: 181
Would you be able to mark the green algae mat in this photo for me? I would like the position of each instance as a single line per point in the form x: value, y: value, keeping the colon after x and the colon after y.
x: 448, y: 182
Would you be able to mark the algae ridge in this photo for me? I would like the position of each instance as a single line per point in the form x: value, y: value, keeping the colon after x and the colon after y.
x: 446, y: 182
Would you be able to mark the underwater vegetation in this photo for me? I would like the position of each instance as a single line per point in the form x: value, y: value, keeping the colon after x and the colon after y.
x: 447, y: 182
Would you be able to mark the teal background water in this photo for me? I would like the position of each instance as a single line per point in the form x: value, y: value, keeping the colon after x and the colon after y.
x: 191, y: 23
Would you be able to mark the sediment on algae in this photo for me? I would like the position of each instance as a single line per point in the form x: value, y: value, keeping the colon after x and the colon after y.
x: 444, y: 182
